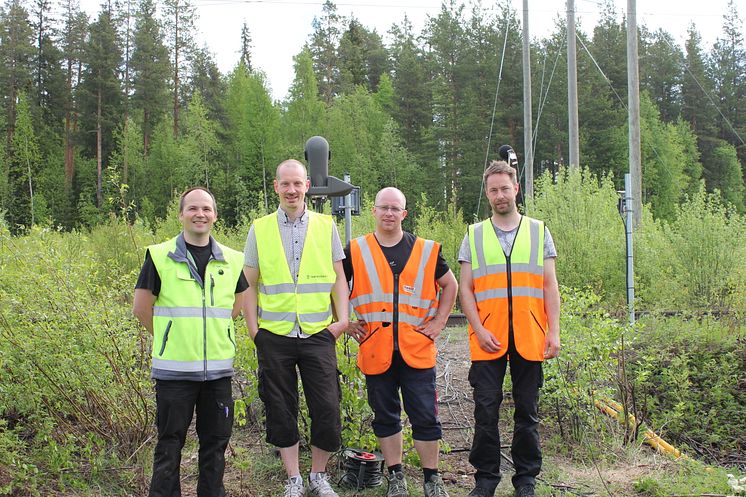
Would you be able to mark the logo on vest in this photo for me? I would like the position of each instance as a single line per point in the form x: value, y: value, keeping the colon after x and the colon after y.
x: 409, y: 289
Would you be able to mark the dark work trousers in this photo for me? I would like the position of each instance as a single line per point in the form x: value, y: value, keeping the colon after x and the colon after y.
x: 176, y: 402
x: 316, y: 359
x: 486, y: 378
x: 418, y: 393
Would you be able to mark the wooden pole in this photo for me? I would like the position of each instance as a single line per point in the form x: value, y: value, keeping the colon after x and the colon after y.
x: 572, y: 88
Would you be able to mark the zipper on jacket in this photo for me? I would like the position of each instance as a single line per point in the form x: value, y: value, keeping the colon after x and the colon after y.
x: 511, y: 338
x: 510, y: 299
x: 212, y: 290
x: 165, y: 337
x: 231, y: 338
x: 204, y: 332
x: 395, y: 320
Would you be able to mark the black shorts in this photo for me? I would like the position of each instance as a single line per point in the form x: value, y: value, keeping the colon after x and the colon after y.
x: 316, y: 359
x: 420, y: 398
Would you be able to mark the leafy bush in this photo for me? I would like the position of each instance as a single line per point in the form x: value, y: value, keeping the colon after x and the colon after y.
x: 689, y: 384
x: 74, y: 363
x: 581, y: 213
x: 586, y: 370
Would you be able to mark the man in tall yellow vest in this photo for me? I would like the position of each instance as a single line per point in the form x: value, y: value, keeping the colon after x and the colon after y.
x: 189, y: 290
x: 402, y: 293
x: 293, y: 263
x: 510, y: 297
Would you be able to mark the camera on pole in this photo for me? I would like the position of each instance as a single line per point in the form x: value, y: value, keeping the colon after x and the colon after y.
x: 317, y: 155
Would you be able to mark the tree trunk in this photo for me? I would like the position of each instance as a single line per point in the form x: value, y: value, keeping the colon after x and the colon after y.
x: 99, y: 160
x: 69, y: 158
x: 176, y: 73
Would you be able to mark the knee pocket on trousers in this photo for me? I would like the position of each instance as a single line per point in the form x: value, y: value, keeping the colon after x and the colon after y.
x: 224, y: 425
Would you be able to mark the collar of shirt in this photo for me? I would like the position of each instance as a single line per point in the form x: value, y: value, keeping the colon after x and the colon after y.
x: 284, y: 218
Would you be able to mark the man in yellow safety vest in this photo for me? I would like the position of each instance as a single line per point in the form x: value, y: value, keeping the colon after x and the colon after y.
x: 189, y: 290
x: 293, y: 263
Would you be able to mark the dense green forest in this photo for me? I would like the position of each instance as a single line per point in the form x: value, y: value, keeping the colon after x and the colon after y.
x: 124, y: 109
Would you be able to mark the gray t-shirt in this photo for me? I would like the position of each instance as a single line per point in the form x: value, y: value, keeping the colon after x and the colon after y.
x: 293, y: 236
x: 506, y: 240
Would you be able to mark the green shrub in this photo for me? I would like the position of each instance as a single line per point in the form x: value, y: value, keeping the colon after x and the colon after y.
x: 74, y: 362
x: 586, y: 369
x: 688, y: 377
x: 581, y: 213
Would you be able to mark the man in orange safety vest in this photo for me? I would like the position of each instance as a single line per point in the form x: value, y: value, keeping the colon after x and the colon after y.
x: 402, y: 293
x: 510, y: 297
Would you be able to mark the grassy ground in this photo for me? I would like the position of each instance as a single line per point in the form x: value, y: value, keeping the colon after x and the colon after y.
x: 598, y: 468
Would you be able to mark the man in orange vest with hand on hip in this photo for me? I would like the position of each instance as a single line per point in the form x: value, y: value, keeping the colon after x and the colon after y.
x: 510, y: 297
x: 402, y: 293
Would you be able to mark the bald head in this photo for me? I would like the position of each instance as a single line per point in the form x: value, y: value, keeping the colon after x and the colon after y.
x: 391, y: 193
x: 290, y: 164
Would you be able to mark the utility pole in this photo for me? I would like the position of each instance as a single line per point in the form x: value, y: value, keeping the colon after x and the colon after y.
x: 528, y: 151
x: 628, y: 223
x: 633, y: 105
x: 572, y: 87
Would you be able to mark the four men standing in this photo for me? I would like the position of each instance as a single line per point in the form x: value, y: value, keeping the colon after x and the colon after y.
x: 296, y: 307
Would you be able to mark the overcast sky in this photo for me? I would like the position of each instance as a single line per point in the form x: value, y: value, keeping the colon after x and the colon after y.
x: 279, y: 28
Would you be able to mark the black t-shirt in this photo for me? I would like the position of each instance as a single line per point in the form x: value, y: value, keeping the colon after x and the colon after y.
x: 150, y: 280
x: 398, y: 255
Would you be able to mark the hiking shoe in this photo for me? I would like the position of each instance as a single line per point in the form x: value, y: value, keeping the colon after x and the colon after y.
x: 525, y: 491
x: 397, y: 485
x: 434, y: 487
x: 320, y: 487
x: 294, y: 487
x: 481, y: 492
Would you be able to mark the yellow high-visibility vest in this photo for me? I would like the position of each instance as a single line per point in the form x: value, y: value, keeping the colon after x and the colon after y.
x: 193, y: 331
x: 281, y: 302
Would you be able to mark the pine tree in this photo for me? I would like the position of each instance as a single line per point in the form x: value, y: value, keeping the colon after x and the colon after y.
x: 150, y: 71
x: 661, y: 74
x: 728, y: 69
x: 609, y: 48
x: 48, y: 74
x: 73, y: 47
x: 16, y: 58
x: 323, y: 49
x: 697, y: 88
x: 246, y: 47
x: 102, y: 94
x: 445, y: 35
x: 180, y: 18
x: 362, y: 58
x: 206, y: 79
x: 412, y: 100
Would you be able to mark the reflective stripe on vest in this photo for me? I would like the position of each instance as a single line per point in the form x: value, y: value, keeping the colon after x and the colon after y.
x: 503, y: 285
x: 281, y: 302
x: 193, y: 331
x: 373, y: 300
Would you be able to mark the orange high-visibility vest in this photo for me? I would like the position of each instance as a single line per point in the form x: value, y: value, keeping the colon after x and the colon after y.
x: 509, y: 290
x: 374, y: 294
